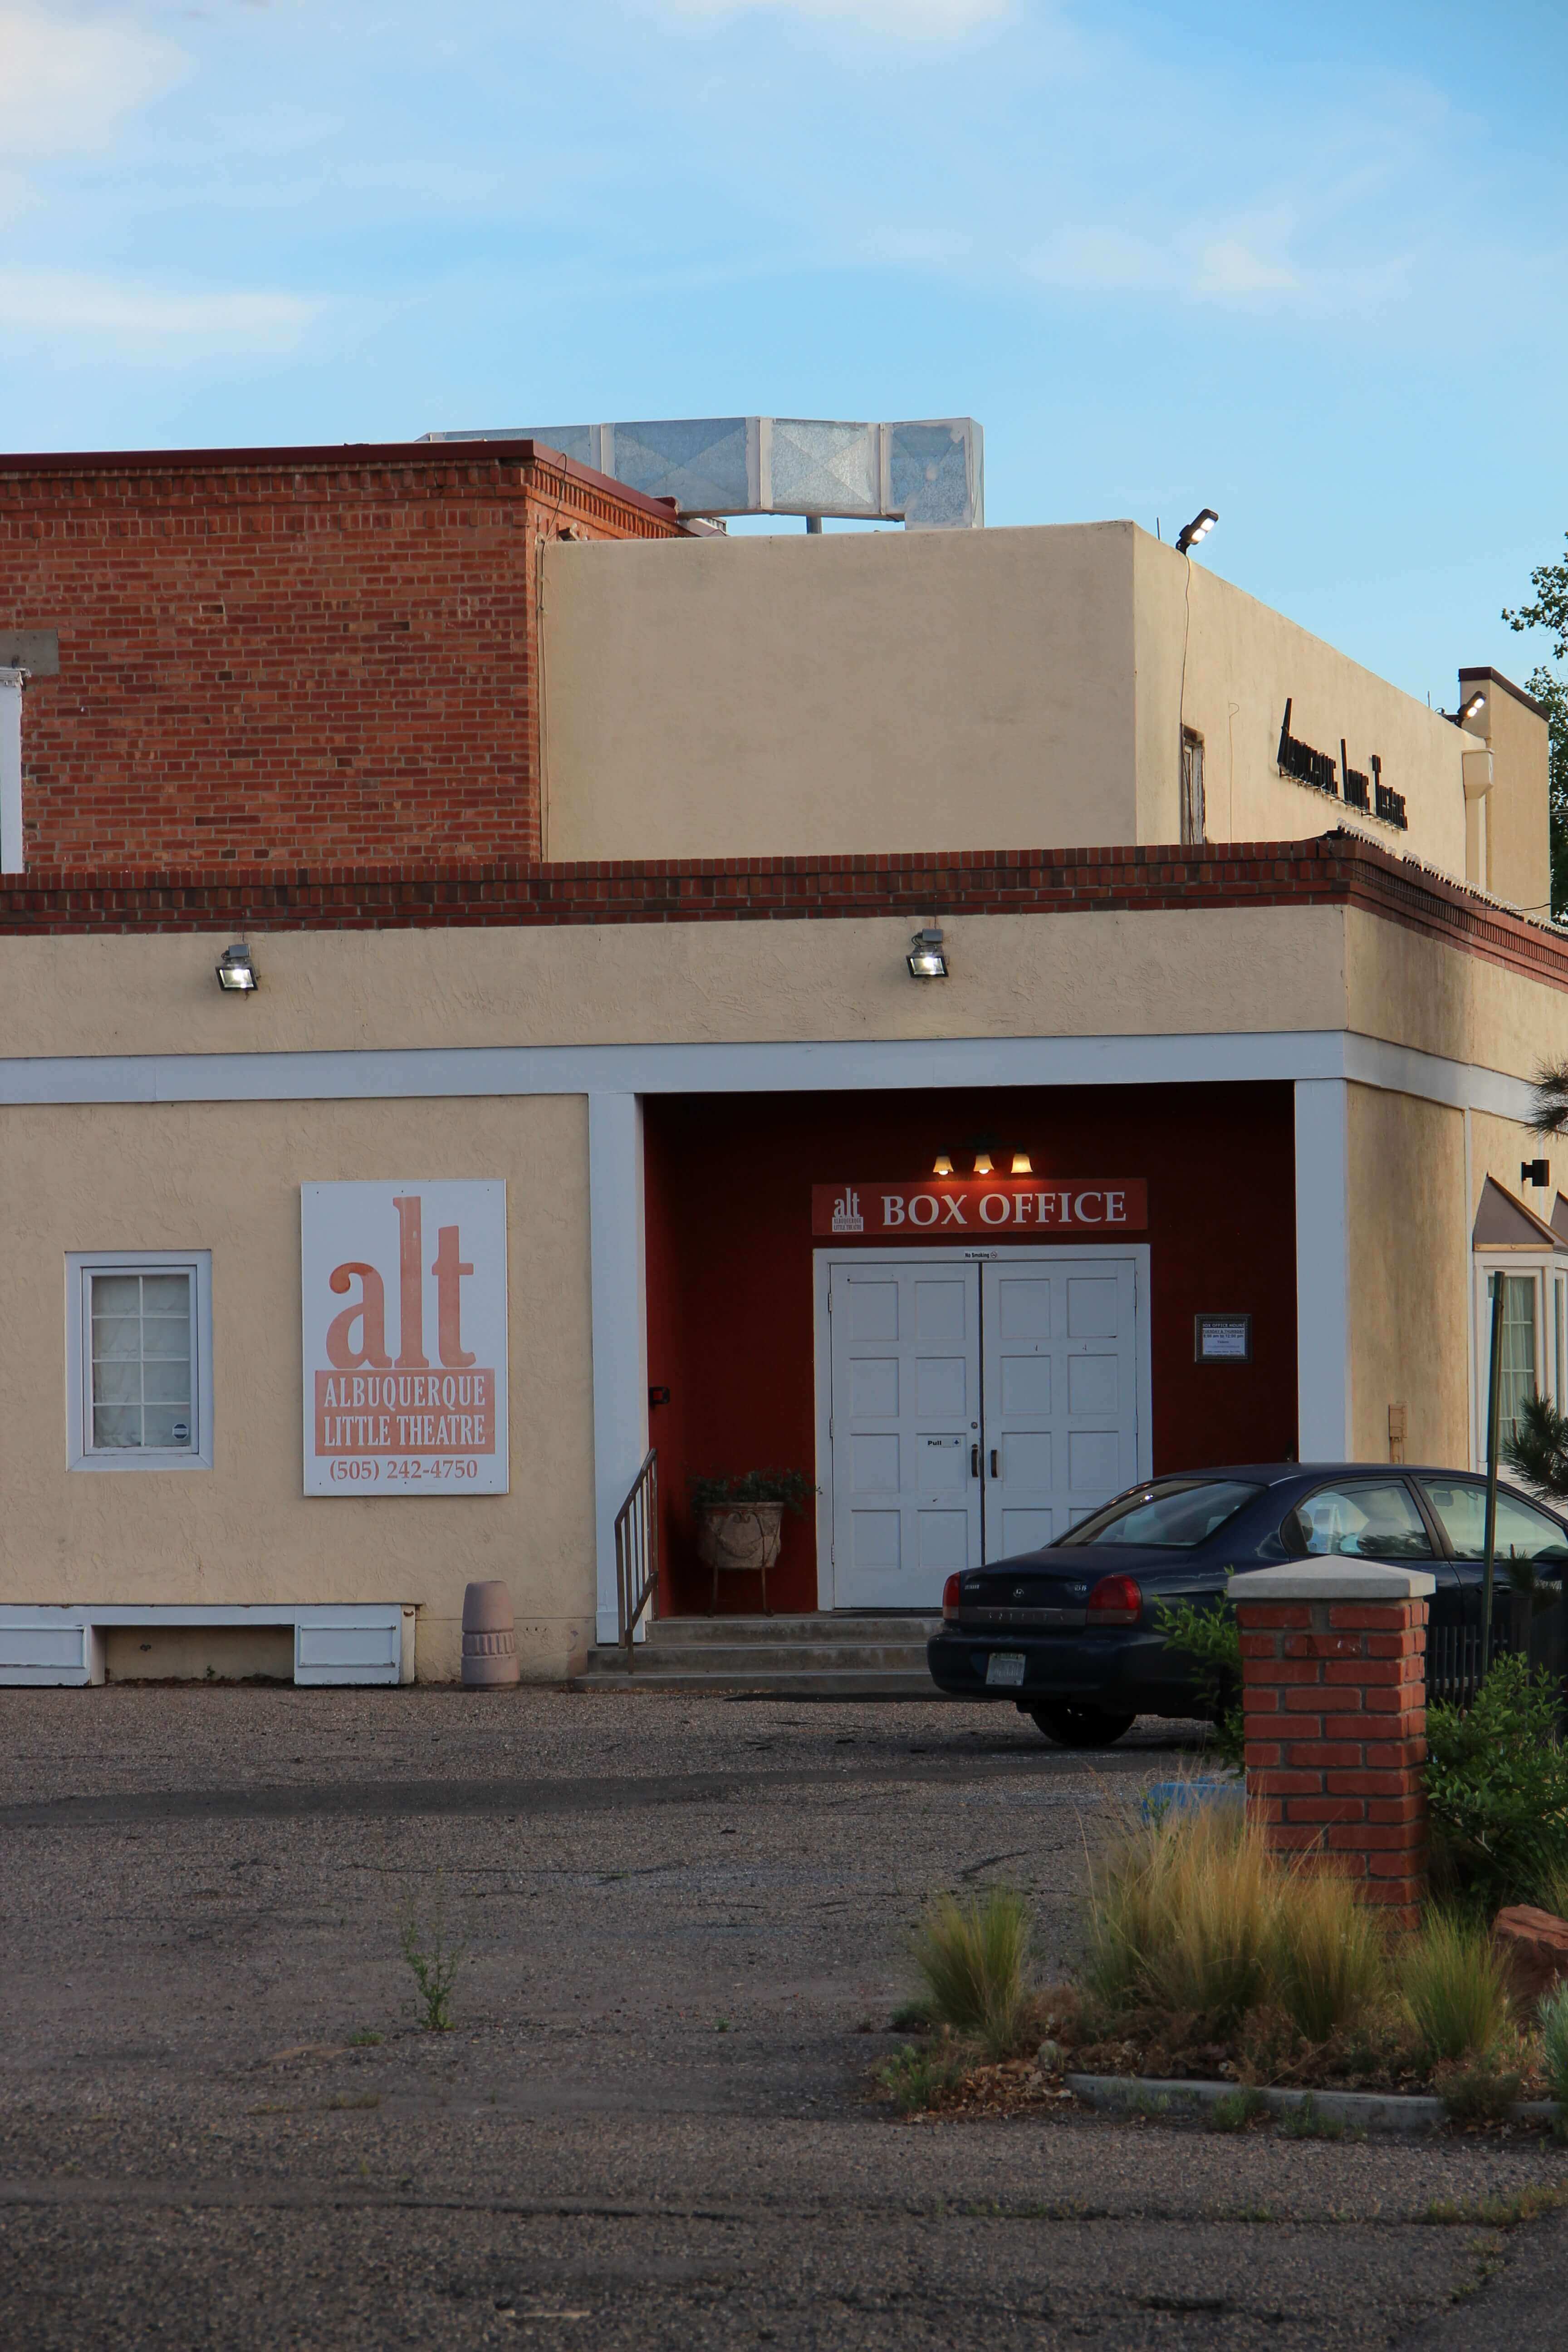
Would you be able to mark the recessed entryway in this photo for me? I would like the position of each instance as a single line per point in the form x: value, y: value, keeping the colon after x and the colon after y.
x: 969, y: 1406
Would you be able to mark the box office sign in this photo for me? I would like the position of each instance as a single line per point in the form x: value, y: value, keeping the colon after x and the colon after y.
x: 404, y: 1297
x: 1036, y: 1206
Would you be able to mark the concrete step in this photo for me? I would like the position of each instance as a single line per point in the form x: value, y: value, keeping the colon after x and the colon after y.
x: 845, y: 1683
x: 916, y: 1626
x: 752, y: 1658
x: 880, y: 1655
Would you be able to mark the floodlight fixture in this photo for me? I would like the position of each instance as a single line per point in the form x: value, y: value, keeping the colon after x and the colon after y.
x: 926, y: 960
x: 1022, y: 1164
x: 235, y: 970
x: 943, y: 1164
x: 1477, y: 702
x: 1192, y: 534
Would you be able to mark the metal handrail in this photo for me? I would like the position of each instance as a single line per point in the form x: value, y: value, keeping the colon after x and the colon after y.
x: 637, y: 1553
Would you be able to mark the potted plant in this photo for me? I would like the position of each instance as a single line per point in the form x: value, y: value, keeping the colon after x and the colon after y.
x: 740, y: 1520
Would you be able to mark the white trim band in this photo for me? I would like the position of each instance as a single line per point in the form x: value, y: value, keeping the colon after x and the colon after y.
x: 880, y: 1065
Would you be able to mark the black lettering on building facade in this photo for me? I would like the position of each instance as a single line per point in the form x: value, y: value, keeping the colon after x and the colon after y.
x: 1326, y: 775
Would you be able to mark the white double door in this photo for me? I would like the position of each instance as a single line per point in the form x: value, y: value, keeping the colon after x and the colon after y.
x: 975, y: 1410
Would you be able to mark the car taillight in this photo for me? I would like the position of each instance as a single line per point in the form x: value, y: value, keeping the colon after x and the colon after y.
x: 950, y: 1601
x: 1116, y: 1601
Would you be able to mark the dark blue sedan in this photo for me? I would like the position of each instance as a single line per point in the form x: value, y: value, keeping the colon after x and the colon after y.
x: 1070, y: 1634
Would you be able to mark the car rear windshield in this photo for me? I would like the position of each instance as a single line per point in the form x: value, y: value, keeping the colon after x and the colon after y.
x: 1171, y: 1516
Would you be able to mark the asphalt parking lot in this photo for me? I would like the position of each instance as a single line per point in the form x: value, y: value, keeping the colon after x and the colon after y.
x: 650, y: 2126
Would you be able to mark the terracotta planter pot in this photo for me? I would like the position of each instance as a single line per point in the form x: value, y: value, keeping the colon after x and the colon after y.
x: 743, y: 1536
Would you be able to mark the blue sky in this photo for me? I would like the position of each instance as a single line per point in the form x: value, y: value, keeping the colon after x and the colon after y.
x: 1304, y: 265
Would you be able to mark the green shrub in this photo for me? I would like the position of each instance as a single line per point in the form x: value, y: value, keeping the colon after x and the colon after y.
x: 1308, y: 2122
x: 916, y: 2078
x: 1481, y: 2091
x: 1538, y: 1449
x: 1553, y: 2024
x: 1211, y: 1637
x: 974, y: 1958
x: 1497, y: 1789
x: 1235, y: 2109
x: 791, y: 1488
x: 435, y: 1958
x: 1454, y: 1986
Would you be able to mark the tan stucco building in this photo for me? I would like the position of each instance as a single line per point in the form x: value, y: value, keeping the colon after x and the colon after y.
x: 1236, y: 936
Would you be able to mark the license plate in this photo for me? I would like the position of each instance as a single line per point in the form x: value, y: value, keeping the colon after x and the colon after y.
x: 1005, y: 1666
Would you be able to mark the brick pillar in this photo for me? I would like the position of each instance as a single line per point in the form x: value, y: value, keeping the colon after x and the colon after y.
x: 1333, y: 1687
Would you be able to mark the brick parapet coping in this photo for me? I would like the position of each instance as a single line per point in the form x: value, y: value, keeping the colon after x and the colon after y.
x: 1334, y: 1699
x: 1336, y: 870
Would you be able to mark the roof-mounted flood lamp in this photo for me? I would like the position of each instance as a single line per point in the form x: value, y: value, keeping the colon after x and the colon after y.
x: 1192, y: 534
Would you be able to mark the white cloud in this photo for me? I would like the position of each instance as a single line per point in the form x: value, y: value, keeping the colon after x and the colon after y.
x: 276, y: 130
x: 1250, y: 264
x: 1103, y: 260
x: 911, y: 20
x: 66, y: 82
x: 148, y: 322
x: 936, y: 247
x: 1229, y: 267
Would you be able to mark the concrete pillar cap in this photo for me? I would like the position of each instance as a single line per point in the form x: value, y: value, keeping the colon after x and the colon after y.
x: 1331, y: 1580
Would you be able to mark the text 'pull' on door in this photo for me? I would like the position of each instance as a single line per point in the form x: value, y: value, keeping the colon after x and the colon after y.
x: 1060, y: 1390
x: 905, y: 1432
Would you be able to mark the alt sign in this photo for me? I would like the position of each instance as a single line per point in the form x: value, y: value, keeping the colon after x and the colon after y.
x: 404, y: 1300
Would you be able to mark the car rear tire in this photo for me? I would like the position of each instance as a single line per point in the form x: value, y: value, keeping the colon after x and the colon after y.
x: 1071, y: 1726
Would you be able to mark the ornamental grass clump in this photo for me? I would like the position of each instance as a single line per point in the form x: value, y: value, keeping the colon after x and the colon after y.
x: 1193, y: 1918
x: 975, y: 1959
x: 1454, y: 1987
x: 1182, y: 1919
x: 1327, y: 1961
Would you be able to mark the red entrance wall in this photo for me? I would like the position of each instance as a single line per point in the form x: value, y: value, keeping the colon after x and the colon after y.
x: 729, y: 1246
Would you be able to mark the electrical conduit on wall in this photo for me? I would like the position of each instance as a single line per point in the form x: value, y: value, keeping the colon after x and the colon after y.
x: 11, y: 770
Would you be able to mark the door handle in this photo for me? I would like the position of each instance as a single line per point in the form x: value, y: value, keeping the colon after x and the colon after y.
x: 975, y: 1461
x: 993, y: 1470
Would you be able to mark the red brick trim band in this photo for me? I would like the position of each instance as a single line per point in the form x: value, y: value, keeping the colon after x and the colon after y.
x: 1338, y: 869
x: 467, y: 462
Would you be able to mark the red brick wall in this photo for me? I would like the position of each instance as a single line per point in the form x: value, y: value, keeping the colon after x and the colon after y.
x: 1334, y: 1693
x: 322, y: 656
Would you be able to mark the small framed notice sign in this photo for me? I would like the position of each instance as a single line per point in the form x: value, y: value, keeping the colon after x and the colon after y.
x: 403, y: 1315
x: 1222, y: 1339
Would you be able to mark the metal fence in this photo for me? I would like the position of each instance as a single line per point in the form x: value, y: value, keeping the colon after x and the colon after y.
x: 1534, y: 1625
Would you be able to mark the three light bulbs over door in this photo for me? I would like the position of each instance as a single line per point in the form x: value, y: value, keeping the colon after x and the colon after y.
x: 984, y: 1164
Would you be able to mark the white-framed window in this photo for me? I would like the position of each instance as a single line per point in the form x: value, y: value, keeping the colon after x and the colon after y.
x: 1534, y: 1335
x: 139, y: 1359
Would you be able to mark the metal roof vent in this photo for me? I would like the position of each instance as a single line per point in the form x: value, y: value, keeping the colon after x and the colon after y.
x: 928, y: 476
